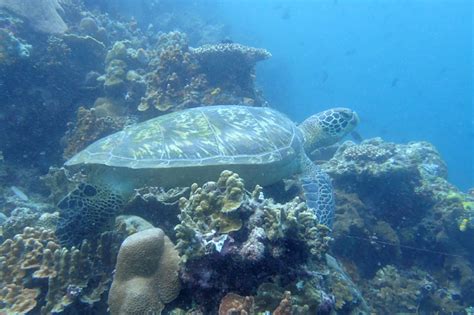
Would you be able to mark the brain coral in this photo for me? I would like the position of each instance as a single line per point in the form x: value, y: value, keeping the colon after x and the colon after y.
x: 146, y: 274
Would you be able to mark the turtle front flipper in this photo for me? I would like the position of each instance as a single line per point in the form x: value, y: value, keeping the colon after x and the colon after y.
x: 85, y: 212
x: 317, y: 190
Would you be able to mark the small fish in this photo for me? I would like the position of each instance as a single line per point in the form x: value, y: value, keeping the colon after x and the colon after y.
x: 19, y: 193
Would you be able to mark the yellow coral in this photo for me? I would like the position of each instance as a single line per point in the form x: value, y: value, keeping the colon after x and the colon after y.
x: 468, y: 205
x: 464, y: 225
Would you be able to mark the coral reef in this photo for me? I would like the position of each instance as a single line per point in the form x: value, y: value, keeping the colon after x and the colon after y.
x: 146, y: 275
x: 184, y: 77
x: 12, y: 49
x: 230, y: 66
x: 413, y: 291
x: 225, y: 232
x: 123, y: 80
x: 42, y: 15
x: 175, y: 80
x: 37, y: 275
x: 395, y: 207
x: 19, y: 219
x: 88, y: 128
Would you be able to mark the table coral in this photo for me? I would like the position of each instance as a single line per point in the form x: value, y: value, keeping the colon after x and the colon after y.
x: 230, y: 65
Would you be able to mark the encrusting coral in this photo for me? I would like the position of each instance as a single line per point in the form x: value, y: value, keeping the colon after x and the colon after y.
x: 146, y: 275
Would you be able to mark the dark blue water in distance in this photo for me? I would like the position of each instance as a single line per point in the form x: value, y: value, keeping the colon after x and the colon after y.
x: 404, y: 66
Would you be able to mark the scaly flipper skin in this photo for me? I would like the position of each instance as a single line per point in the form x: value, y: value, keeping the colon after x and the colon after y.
x: 85, y: 212
x: 317, y: 190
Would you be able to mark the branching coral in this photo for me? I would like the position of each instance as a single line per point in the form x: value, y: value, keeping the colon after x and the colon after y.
x: 37, y: 273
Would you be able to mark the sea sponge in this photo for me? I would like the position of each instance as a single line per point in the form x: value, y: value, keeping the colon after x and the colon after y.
x: 146, y: 274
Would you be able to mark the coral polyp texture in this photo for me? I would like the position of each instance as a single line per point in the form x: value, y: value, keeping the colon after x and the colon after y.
x: 146, y: 276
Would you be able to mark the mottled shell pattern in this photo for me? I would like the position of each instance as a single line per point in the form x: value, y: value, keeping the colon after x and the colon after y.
x: 214, y: 135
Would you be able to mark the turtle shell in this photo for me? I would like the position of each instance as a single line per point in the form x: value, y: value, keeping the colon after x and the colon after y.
x: 195, y: 145
x: 213, y: 135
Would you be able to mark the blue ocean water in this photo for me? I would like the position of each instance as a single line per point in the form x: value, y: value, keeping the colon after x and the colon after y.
x: 405, y: 66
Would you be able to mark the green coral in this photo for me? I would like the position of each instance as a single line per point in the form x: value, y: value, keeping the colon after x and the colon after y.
x: 294, y: 220
x: 211, y: 210
x: 455, y: 199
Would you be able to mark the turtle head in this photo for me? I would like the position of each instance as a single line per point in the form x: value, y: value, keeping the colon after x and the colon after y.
x: 328, y: 127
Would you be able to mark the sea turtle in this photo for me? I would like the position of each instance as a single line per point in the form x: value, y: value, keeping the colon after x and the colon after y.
x: 261, y: 144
